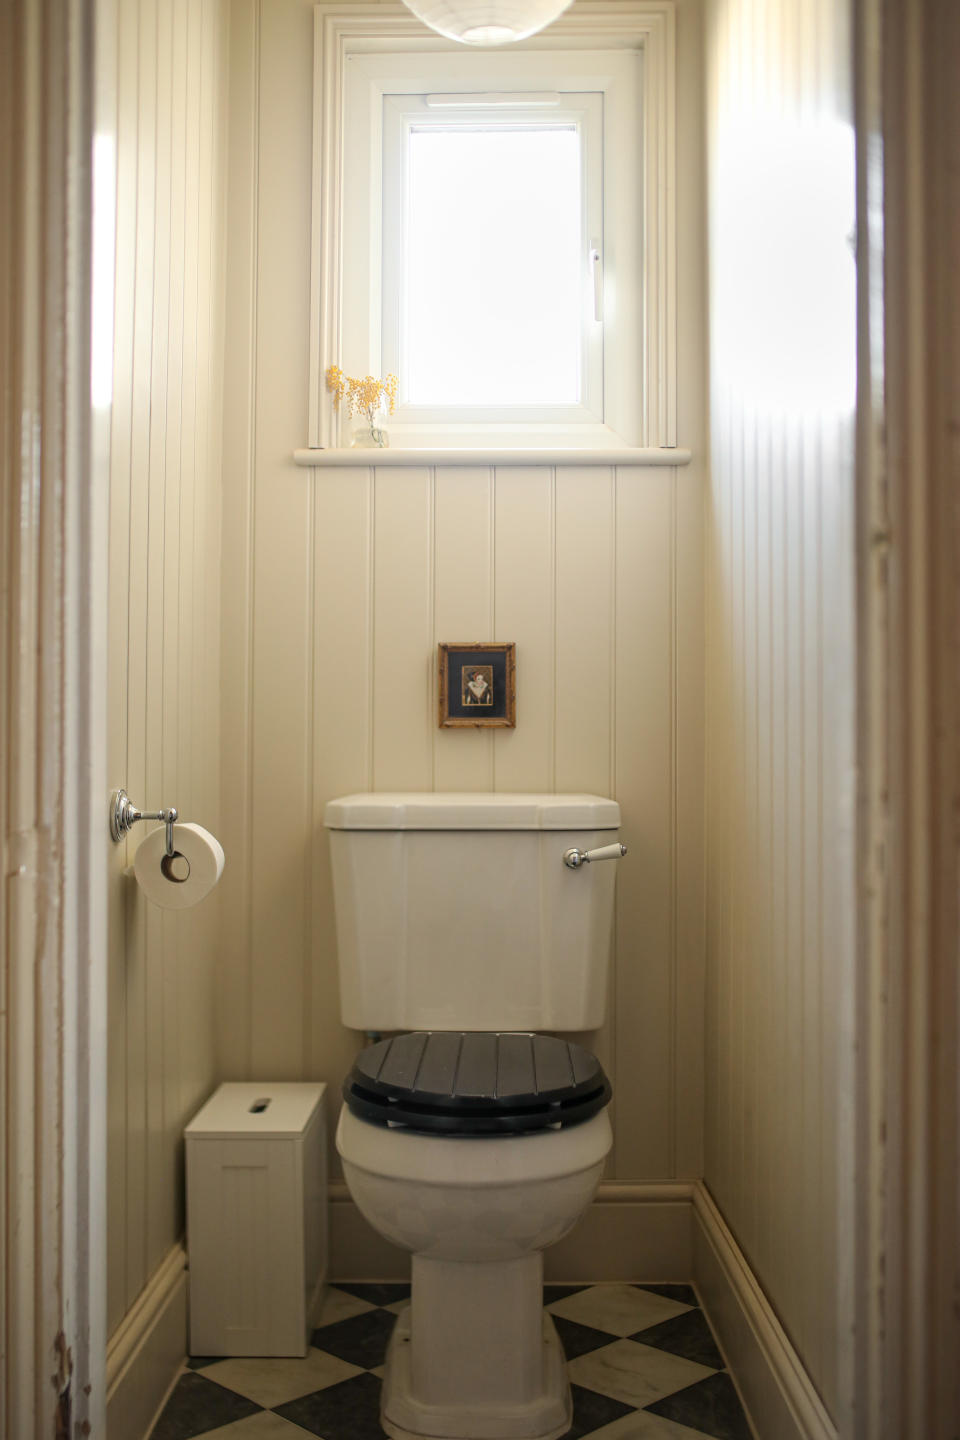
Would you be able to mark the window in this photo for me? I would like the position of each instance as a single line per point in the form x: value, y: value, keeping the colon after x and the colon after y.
x: 492, y: 219
x: 484, y: 228
x: 492, y: 274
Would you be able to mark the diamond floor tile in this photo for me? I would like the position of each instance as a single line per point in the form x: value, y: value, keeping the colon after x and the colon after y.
x: 552, y: 1293
x: 619, y: 1309
x: 644, y: 1425
x: 265, y: 1425
x: 591, y: 1411
x: 340, y: 1304
x: 348, y: 1411
x: 687, y: 1335
x: 711, y: 1407
x: 361, y: 1340
x: 579, y: 1339
x: 635, y: 1374
x: 272, y: 1382
x: 197, y: 1406
x: 377, y: 1294
x: 684, y: 1293
x: 642, y: 1361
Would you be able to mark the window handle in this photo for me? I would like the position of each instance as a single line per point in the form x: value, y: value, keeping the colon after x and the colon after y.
x: 596, y: 265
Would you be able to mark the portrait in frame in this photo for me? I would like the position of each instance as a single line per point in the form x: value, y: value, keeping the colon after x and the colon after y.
x: 477, y: 685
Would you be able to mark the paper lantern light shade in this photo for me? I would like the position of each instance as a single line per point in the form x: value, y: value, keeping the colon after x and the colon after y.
x: 487, y: 22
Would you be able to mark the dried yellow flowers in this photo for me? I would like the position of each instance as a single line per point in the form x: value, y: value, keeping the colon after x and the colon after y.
x: 362, y: 397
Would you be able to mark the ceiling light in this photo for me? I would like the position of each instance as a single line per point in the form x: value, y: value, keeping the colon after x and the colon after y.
x: 487, y: 22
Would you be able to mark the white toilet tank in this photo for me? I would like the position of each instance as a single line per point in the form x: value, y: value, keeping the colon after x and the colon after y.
x: 456, y: 911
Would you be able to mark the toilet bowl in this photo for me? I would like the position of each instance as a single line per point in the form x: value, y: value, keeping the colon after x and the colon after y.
x: 476, y: 921
x: 472, y: 1200
x: 474, y: 1355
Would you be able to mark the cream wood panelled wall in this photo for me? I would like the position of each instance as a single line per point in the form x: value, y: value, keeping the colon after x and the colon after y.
x: 337, y: 585
x: 164, y: 599
x: 780, y: 642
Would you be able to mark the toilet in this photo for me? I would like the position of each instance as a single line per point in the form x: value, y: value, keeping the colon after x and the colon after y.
x: 467, y: 924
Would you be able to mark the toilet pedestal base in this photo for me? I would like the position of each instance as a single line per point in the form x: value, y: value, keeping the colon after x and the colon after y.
x: 474, y: 1356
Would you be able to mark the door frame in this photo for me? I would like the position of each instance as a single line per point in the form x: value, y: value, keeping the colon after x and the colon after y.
x: 901, y: 1167
x: 53, y: 533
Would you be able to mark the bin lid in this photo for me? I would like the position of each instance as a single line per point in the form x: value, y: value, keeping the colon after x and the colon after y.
x: 256, y: 1109
x: 435, y: 810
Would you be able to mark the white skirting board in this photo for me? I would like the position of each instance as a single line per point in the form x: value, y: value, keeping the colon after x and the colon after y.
x: 777, y: 1391
x: 146, y: 1351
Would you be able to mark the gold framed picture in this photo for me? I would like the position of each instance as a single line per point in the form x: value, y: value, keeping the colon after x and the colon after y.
x: 478, y: 685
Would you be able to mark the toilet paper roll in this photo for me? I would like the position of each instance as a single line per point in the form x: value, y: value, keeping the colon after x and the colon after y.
x: 196, y: 866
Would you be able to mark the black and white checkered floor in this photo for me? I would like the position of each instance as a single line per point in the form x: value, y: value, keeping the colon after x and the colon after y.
x: 643, y: 1366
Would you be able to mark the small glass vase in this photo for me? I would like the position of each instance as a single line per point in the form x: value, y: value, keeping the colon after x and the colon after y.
x: 368, y: 431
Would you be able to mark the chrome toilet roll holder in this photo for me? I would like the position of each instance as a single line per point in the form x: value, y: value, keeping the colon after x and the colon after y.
x: 124, y: 815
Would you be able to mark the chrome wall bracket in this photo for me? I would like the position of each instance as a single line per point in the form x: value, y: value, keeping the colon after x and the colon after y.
x: 124, y: 815
x: 574, y: 858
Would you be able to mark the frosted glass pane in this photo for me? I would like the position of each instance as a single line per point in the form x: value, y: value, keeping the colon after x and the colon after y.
x: 492, y: 267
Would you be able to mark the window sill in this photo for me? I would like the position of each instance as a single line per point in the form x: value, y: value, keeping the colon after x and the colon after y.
x: 476, y: 455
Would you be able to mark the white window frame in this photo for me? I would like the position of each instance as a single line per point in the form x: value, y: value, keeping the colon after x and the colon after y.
x: 382, y: 41
x: 375, y: 84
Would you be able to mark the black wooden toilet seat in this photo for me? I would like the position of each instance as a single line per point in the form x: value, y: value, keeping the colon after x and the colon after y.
x: 476, y: 1083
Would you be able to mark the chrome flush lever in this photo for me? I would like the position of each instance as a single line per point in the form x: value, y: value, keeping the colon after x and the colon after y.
x: 575, y: 858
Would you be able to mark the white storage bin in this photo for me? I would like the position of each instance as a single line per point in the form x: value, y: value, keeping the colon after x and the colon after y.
x: 256, y: 1218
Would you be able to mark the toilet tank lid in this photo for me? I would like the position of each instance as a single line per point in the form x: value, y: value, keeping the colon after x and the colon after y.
x: 436, y: 810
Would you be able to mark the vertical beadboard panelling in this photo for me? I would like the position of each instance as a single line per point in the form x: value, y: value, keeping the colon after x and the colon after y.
x: 190, y: 1004
x: 179, y: 495
x: 796, y: 639
x: 403, y: 656
x: 176, y: 490
x: 201, y: 507
x: 765, y: 1222
x: 837, y: 930
x: 688, y: 777
x: 585, y: 577
x: 779, y: 607
x: 584, y: 617
x: 342, y: 723
x: 164, y: 603
x: 688, y: 609
x: 581, y: 568
x: 644, y: 764
x: 813, y: 1034
x: 387, y: 548
x: 239, y: 491
x: 132, y: 766
x: 121, y: 438
x: 779, y: 835
x: 525, y: 605
x: 283, y: 622
x: 404, y: 557
x: 159, y: 1197
x: 463, y: 598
